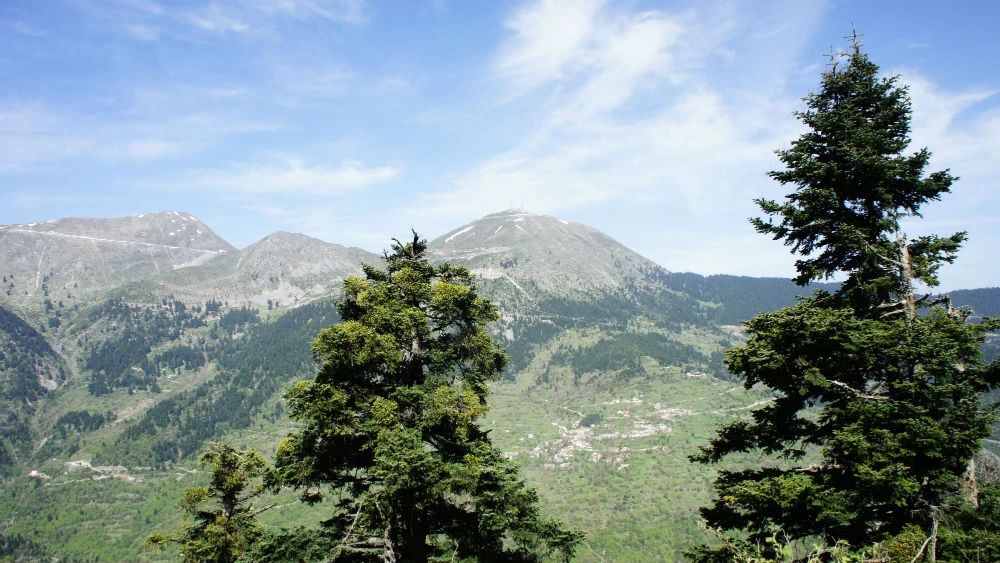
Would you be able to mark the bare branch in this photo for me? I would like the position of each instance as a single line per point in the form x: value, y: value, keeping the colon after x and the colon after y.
x: 933, y: 536
x: 357, y: 515
x: 855, y: 391
x: 818, y: 467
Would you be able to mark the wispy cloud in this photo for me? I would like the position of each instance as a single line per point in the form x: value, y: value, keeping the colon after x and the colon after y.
x: 150, y: 20
x: 590, y: 146
x: 959, y: 128
x: 217, y: 18
x: 330, y: 222
x: 346, y: 11
x: 33, y: 136
x: 291, y: 176
x: 948, y: 123
x: 652, y: 109
x: 294, y: 84
x: 243, y: 15
x: 26, y: 29
x: 547, y: 41
x: 143, y: 32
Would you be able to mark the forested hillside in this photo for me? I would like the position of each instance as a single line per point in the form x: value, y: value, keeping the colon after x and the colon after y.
x: 29, y: 370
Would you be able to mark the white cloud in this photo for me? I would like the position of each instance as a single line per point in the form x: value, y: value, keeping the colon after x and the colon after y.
x: 627, y: 56
x: 146, y: 6
x: 684, y: 155
x: 950, y: 126
x: 26, y: 29
x: 293, y: 84
x: 148, y: 20
x: 139, y: 149
x: 346, y: 11
x: 672, y: 115
x: 590, y: 146
x: 33, y: 136
x: 216, y: 18
x: 328, y: 221
x: 244, y: 15
x: 291, y: 176
x: 959, y: 128
x: 142, y: 31
x: 547, y: 38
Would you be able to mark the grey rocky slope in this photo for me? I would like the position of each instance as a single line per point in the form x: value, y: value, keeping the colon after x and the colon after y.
x: 533, y: 253
x: 282, y: 268
x: 170, y: 253
x: 71, y: 258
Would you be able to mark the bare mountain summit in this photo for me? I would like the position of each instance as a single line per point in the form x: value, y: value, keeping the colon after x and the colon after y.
x: 534, y: 253
x: 281, y: 268
x: 70, y: 257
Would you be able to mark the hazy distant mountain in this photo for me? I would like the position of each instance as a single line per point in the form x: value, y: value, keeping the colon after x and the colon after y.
x: 282, y: 268
x: 541, y: 253
x: 169, y: 253
x: 300, y: 260
x: 69, y: 258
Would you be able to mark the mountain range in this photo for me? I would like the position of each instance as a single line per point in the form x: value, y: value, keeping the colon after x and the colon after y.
x: 128, y: 344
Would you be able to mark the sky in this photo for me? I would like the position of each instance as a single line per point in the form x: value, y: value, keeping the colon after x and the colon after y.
x: 353, y: 120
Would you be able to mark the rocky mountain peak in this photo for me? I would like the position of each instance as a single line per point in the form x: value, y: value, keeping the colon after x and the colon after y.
x: 550, y: 254
x: 168, y: 229
x: 285, y: 268
x: 292, y: 254
x: 67, y: 257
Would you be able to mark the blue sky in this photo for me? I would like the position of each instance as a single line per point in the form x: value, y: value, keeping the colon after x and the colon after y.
x: 352, y: 121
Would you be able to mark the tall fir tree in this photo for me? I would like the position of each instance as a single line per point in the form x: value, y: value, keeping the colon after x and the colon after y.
x: 878, y: 406
x: 389, y: 432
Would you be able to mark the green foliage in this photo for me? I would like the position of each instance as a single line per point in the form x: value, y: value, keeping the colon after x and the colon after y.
x: 180, y: 357
x: 17, y: 548
x: 591, y: 419
x: 236, y: 318
x: 854, y: 186
x: 123, y: 360
x: 81, y: 421
x: 625, y: 351
x: 252, y: 369
x: 25, y: 358
x: 222, y: 531
x: 389, y: 425
x: 972, y: 533
x: 890, y: 401
x: 906, y: 545
x: 23, y: 352
x: 738, y: 298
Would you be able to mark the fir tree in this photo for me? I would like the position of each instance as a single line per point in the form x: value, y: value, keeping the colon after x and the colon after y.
x: 879, y: 389
x: 389, y: 432
x: 220, y: 520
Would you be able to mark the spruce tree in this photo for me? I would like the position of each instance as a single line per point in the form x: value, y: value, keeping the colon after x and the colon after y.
x: 388, y: 428
x: 878, y: 406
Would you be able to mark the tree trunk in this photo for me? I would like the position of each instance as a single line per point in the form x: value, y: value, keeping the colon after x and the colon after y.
x: 906, y: 275
x: 970, y: 487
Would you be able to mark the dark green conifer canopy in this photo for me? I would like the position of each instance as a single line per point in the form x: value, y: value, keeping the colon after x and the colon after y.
x: 855, y: 184
x: 389, y: 429
x: 878, y: 394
